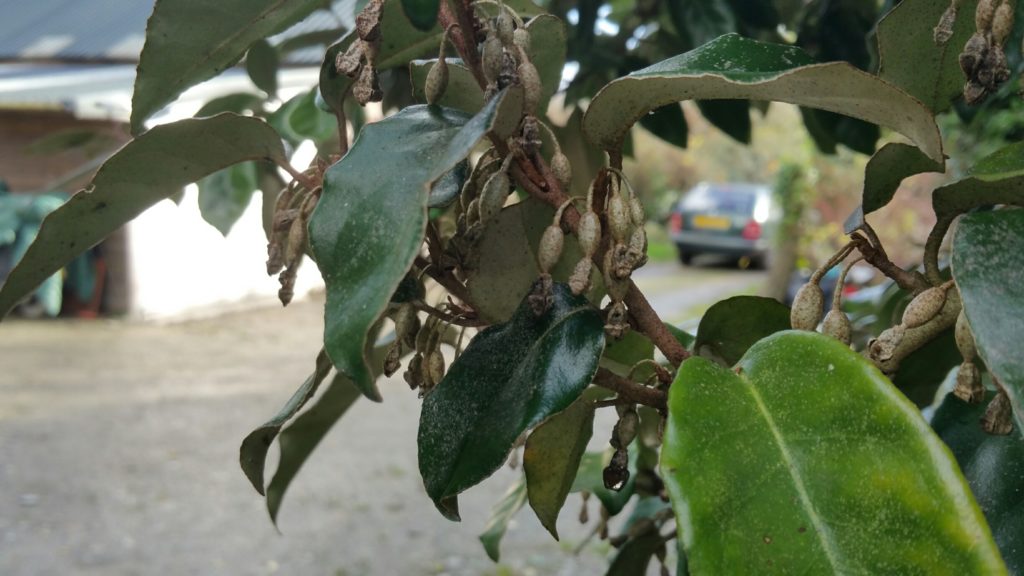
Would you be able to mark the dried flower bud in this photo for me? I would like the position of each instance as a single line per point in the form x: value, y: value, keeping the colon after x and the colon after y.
x: 636, y: 211
x: 541, y: 297
x: 589, y: 233
x: 625, y: 429
x: 437, y: 82
x: 944, y: 30
x: 964, y: 338
x: 532, y: 87
x: 435, y: 366
x: 924, y: 307
x: 884, y: 347
x: 998, y: 418
x: 984, y: 15
x: 617, y: 472
x: 296, y: 246
x: 275, y: 257
x: 504, y: 26
x: 493, y: 197
x: 617, y: 322
x: 393, y: 360
x: 562, y: 169
x: 968, y: 383
x: 618, y: 217
x: 424, y: 334
x: 584, y: 515
x: 807, y: 307
x: 368, y: 20
x: 1002, y: 24
x: 407, y: 325
x: 413, y: 372
x: 550, y: 249
x: 521, y: 39
x: 367, y: 87
x: 349, y: 61
x: 617, y: 287
x: 636, y: 254
x: 579, y: 282
x: 837, y: 325
x: 492, y: 59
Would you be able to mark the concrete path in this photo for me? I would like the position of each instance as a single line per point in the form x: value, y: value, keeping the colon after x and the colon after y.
x: 119, y: 446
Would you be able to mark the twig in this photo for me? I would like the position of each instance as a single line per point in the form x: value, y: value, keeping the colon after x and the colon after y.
x: 446, y: 280
x: 458, y: 320
x: 909, y: 280
x: 631, y: 391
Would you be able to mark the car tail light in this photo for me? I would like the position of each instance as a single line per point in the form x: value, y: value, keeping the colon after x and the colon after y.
x: 752, y: 231
x: 675, y: 222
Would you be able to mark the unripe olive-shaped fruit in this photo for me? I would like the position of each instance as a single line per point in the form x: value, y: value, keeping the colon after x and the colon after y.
x: 530, y: 79
x: 924, y: 307
x: 589, y: 233
x: 550, y: 249
x: 964, y: 337
x: 437, y: 82
x: 968, y: 383
x: 562, y: 170
x: 807, y: 307
x: 491, y: 59
x: 837, y: 325
x: 493, y: 197
x: 618, y: 217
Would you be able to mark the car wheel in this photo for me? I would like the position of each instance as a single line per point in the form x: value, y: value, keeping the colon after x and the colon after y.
x: 685, y: 257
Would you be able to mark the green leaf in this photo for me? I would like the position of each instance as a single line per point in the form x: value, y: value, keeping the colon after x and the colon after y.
x: 188, y: 41
x: 369, y: 224
x: 590, y: 477
x: 667, y: 123
x: 1007, y: 162
x: 261, y: 63
x: 510, y: 378
x: 501, y: 515
x: 421, y: 13
x: 253, y: 453
x: 507, y: 265
x: 994, y: 468
x: 732, y: 326
x: 733, y: 67
x: 988, y: 260
x: 300, y: 119
x: 911, y: 60
x: 224, y: 195
x: 635, y: 554
x: 729, y: 116
x: 620, y: 355
x: 805, y: 459
x: 970, y: 193
x: 551, y: 458
x: 148, y: 169
x: 238, y: 103
x: 888, y: 168
x: 447, y: 188
x: 304, y: 433
x: 828, y: 129
x: 463, y: 93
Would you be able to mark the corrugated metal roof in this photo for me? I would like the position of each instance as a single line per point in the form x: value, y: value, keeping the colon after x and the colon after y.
x: 114, y: 30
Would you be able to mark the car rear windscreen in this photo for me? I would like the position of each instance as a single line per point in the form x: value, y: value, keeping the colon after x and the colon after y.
x: 720, y: 201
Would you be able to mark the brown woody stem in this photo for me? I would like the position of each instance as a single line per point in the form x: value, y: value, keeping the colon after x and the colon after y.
x: 631, y: 391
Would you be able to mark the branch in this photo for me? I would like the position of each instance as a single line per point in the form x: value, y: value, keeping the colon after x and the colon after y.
x: 446, y: 280
x: 914, y: 338
x: 631, y: 391
x: 458, y: 320
x: 909, y: 280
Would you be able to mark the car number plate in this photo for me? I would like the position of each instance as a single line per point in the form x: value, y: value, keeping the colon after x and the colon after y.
x: 711, y: 222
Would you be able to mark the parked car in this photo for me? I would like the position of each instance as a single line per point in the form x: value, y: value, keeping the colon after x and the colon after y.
x: 732, y: 219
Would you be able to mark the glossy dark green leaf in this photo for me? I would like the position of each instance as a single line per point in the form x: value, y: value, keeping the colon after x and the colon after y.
x: 805, y: 459
x: 261, y: 63
x: 421, y: 13
x: 1007, y: 162
x: 188, y: 41
x: 590, y: 478
x: 551, y: 458
x: 502, y: 513
x: 621, y: 355
x: 684, y: 337
x: 970, y: 193
x: 224, y: 195
x: 667, y: 123
x: 507, y: 265
x: 887, y: 169
x: 911, y: 60
x: 447, y: 188
x: 733, y: 67
x: 239, y: 103
x: 635, y: 555
x: 732, y: 326
x: 829, y: 129
x: 988, y: 260
x: 729, y: 116
x: 253, y: 453
x: 994, y: 468
x: 510, y: 378
x: 147, y: 170
x: 368, y: 226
